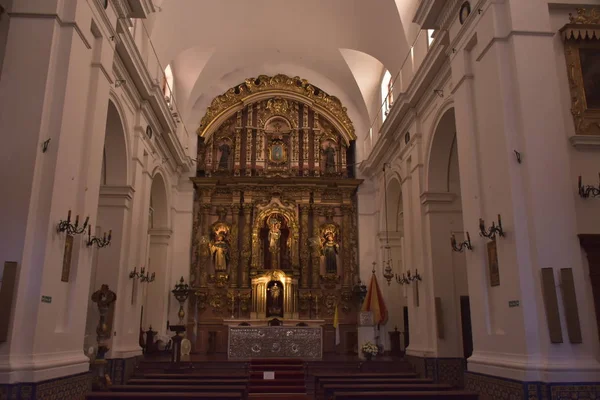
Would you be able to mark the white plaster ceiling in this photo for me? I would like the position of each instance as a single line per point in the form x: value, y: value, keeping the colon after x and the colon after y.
x: 340, y: 46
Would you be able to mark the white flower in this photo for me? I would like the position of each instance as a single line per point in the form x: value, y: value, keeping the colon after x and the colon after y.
x: 370, y: 348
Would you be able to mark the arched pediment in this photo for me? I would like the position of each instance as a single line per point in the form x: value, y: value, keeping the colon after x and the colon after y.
x: 282, y: 93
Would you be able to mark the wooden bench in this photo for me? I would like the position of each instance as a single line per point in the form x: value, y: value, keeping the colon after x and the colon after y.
x: 362, y: 375
x: 196, y: 382
x: 329, y: 390
x: 163, y: 396
x: 347, y: 381
x: 195, y: 376
x: 412, y: 395
x: 240, y: 389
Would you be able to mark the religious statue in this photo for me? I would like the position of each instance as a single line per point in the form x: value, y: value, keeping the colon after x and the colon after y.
x: 225, y: 152
x: 329, y: 250
x: 219, y: 250
x: 329, y: 159
x: 274, y: 238
x: 274, y: 301
x: 275, y: 292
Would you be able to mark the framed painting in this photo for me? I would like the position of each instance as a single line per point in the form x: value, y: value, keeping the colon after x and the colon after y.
x: 66, y: 267
x: 494, y: 271
x: 582, y: 55
x: 277, y: 152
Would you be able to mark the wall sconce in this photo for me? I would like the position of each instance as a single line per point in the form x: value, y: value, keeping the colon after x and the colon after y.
x: 66, y: 226
x: 143, y: 278
x: 491, y: 234
x: 408, y: 278
x: 462, y: 246
x: 587, y: 191
x: 100, y: 242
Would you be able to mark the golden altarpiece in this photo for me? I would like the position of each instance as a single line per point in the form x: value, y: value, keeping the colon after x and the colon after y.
x: 274, y: 232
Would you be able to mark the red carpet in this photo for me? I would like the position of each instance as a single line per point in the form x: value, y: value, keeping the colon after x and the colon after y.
x: 287, y: 382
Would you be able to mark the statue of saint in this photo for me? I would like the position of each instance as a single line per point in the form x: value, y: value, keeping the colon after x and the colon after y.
x: 275, y: 292
x: 274, y: 237
x: 330, y: 250
x: 329, y: 159
x: 219, y: 250
x: 225, y: 152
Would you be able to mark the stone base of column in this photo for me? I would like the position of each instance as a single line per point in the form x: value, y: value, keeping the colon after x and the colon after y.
x: 73, y: 387
x: 121, y: 369
x: 496, y: 388
x: 440, y: 370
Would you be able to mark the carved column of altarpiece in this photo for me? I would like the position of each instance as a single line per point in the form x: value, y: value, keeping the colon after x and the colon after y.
x: 274, y: 199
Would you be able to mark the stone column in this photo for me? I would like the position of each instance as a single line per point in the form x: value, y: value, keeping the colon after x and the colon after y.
x: 316, y: 255
x: 536, y: 198
x: 347, y: 244
x: 202, y: 239
x: 247, y: 245
x: 42, y: 103
x: 234, y: 260
x: 305, y: 249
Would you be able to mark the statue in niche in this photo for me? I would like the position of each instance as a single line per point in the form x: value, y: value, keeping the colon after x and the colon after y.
x: 330, y: 249
x: 225, y: 150
x: 219, y: 250
x: 274, y: 299
x: 274, y: 239
x: 329, y: 152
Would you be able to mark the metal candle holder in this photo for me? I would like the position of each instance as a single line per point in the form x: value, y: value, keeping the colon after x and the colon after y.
x: 100, y: 242
x: 462, y: 246
x: 181, y: 293
x: 587, y: 190
x: 491, y: 233
x: 72, y: 229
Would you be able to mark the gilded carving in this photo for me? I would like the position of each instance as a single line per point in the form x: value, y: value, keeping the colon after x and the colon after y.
x: 277, y: 84
x: 582, y: 53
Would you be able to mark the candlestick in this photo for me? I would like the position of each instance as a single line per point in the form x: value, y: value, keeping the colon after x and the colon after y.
x: 69, y: 215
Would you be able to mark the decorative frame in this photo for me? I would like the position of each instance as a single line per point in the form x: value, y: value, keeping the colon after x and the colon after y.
x: 465, y: 11
x: 582, y: 36
x: 494, y: 270
x: 66, y: 267
x: 278, y: 152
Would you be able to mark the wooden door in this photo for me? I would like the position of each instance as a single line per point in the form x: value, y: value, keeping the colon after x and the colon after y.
x: 465, y: 319
x: 591, y: 245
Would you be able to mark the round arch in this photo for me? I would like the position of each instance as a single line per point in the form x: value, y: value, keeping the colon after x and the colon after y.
x: 159, y: 201
x: 441, y: 144
x: 114, y: 164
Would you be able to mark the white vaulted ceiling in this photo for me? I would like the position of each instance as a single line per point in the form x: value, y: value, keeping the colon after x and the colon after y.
x: 340, y: 46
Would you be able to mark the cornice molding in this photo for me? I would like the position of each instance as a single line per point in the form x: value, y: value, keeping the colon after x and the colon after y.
x: 150, y: 91
x: 428, y: 13
x: 141, y: 8
x: 585, y: 142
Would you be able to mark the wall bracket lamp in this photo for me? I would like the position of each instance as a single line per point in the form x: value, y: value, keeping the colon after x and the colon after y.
x: 72, y: 229
x: 491, y: 233
x: 459, y: 248
x: 587, y: 190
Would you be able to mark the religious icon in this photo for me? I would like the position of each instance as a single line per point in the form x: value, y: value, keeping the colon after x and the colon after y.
x: 277, y: 152
x: 330, y: 251
x: 329, y: 152
x: 274, y: 300
x: 224, y: 159
x: 493, y: 263
x: 274, y: 238
x: 219, y: 250
x: 66, y: 268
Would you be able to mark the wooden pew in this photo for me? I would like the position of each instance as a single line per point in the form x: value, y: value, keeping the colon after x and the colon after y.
x: 195, y: 375
x: 163, y: 396
x: 197, y: 382
x: 362, y: 375
x: 240, y: 389
x: 406, y: 395
x: 329, y: 390
x: 347, y: 381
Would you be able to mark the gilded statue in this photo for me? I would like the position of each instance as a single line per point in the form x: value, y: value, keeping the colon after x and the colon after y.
x: 330, y: 249
x: 275, y: 292
x: 224, y: 159
x: 274, y: 239
x: 329, y: 152
x: 219, y: 249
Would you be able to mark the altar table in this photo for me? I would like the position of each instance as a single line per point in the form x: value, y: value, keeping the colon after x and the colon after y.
x: 246, y: 342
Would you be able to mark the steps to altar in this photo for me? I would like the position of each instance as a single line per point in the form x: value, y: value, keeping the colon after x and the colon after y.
x: 276, y: 377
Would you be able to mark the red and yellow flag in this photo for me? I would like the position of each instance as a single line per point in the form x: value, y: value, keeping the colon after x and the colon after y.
x: 374, y: 302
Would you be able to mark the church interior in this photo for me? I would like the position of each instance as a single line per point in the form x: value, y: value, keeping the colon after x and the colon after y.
x: 326, y: 199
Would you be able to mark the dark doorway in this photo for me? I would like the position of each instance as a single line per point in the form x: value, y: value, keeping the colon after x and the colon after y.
x: 465, y: 319
x: 591, y: 245
x: 406, y: 337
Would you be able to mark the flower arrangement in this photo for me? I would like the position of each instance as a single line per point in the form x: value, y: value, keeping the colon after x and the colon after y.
x: 369, y: 349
